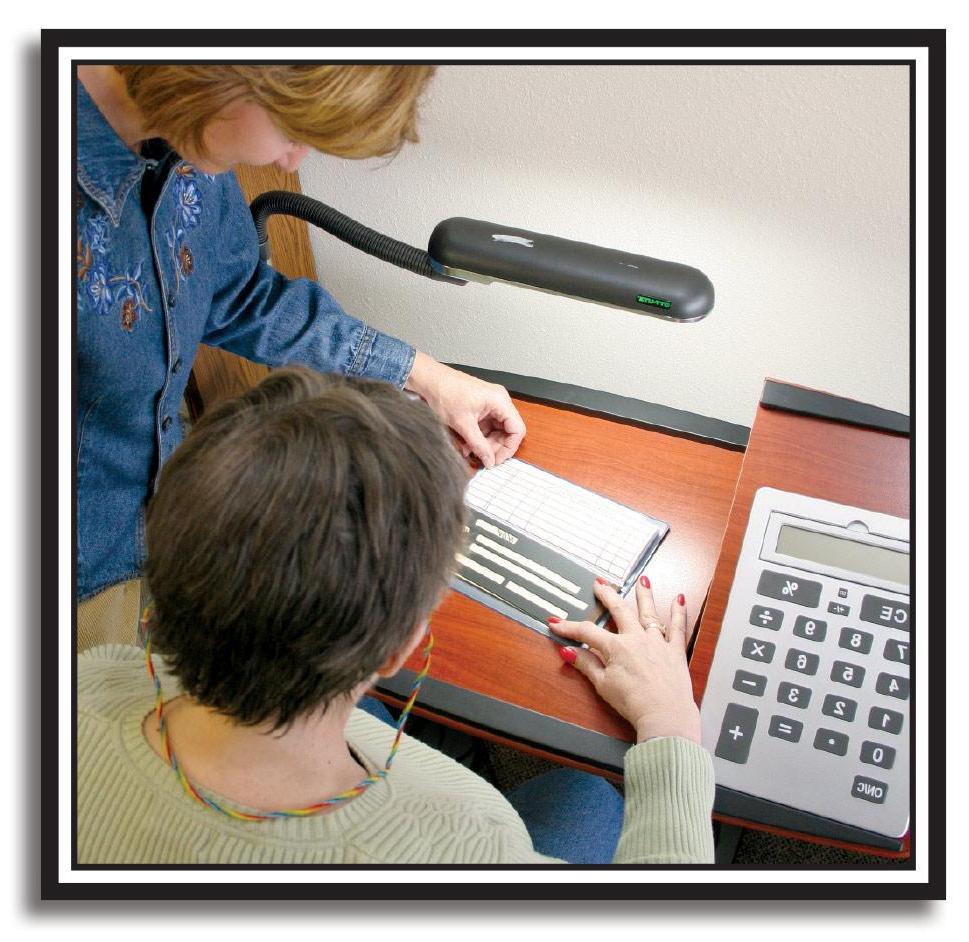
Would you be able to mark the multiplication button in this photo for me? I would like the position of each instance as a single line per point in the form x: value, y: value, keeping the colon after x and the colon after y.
x: 736, y: 733
x: 776, y: 585
x: 765, y: 617
x: 758, y: 650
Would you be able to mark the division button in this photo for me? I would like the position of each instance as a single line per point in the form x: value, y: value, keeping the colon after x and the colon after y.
x: 736, y: 733
x: 754, y: 684
x: 791, y: 588
x: 827, y: 740
x: 869, y: 790
x: 765, y: 617
x: 783, y: 728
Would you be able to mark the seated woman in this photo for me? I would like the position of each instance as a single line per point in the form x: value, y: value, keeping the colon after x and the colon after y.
x: 298, y: 541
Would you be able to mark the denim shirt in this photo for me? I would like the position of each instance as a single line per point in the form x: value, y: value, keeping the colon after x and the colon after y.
x: 148, y: 291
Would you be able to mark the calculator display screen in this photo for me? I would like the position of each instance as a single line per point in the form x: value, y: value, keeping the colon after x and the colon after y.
x: 851, y: 555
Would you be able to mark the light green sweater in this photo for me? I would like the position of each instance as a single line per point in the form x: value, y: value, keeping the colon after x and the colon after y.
x: 430, y: 809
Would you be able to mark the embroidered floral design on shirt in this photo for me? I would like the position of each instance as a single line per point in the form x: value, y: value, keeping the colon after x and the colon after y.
x: 105, y: 290
x: 188, y: 214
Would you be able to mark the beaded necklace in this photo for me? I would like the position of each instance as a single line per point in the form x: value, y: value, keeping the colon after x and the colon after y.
x: 316, y: 808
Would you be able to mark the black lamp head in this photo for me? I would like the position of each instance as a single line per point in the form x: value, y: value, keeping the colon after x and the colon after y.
x: 475, y: 250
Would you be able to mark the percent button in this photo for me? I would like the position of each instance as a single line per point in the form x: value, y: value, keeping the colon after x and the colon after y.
x: 787, y: 588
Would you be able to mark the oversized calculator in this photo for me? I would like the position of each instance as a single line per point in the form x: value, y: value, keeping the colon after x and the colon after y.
x: 806, y: 708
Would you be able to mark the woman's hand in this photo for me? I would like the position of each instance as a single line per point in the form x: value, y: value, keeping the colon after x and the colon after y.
x: 641, y: 671
x: 481, y: 415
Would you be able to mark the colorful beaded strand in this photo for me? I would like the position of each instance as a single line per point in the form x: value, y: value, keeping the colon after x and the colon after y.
x: 344, y: 796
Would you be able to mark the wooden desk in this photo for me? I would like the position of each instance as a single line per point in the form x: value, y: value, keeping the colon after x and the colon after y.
x: 496, y: 678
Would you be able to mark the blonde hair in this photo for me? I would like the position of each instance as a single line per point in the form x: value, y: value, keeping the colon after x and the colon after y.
x: 345, y: 110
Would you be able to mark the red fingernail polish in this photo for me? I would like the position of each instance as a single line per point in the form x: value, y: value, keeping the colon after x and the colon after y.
x: 601, y: 581
x: 568, y: 655
x: 645, y: 581
x: 680, y: 599
x: 553, y: 620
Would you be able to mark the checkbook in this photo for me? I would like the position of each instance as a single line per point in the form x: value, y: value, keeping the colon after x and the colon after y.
x: 535, y: 543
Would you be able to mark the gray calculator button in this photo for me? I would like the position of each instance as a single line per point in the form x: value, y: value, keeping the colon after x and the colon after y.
x: 801, y: 661
x: 758, y: 650
x: 845, y: 673
x: 896, y: 651
x: 853, y: 639
x: 794, y: 695
x: 783, y: 728
x: 754, y: 684
x: 765, y: 617
x: 736, y: 733
x: 874, y: 753
x: 827, y: 740
x: 887, y: 612
x: 811, y: 628
x: 886, y: 721
x: 869, y: 789
x: 839, y: 608
x: 841, y: 708
x: 792, y: 588
x: 892, y: 686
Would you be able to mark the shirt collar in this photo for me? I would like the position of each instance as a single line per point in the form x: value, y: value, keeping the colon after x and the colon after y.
x: 107, y: 169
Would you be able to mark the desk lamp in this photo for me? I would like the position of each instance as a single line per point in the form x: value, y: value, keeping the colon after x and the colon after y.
x: 462, y: 250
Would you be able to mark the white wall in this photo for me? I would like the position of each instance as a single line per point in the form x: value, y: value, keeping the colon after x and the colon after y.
x: 787, y: 185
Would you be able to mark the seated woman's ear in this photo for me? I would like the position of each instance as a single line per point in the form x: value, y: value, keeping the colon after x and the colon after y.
x: 396, y: 660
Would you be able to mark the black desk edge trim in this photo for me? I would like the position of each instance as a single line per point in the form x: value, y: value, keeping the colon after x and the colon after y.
x: 621, y: 408
x: 821, y: 405
x: 515, y: 722
x: 736, y: 804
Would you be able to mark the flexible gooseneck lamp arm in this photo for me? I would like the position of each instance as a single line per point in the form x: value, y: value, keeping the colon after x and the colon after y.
x: 462, y: 250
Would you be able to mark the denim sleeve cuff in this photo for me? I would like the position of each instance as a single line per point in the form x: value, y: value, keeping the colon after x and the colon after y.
x: 669, y: 803
x: 380, y: 356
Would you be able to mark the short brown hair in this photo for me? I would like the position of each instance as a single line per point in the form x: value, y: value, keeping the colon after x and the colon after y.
x: 296, y: 540
x: 346, y: 110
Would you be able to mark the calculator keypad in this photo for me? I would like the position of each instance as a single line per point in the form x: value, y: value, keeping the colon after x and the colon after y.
x: 824, y: 666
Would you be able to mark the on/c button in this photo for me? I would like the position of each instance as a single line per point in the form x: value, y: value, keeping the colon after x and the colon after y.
x: 869, y: 790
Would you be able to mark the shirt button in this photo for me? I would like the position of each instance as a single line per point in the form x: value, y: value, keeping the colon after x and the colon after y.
x: 166, y: 423
x: 177, y: 365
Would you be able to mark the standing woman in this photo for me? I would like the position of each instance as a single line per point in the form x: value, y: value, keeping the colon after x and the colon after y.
x: 167, y: 258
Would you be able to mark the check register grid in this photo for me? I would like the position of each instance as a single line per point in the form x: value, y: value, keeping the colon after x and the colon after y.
x: 536, y: 542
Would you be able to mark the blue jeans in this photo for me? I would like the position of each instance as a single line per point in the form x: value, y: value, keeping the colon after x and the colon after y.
x: 569, y: 814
